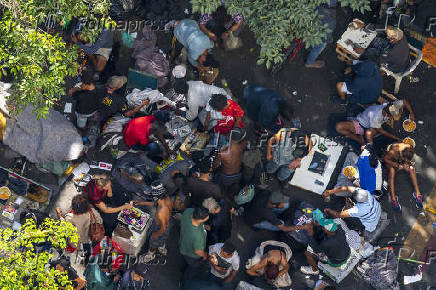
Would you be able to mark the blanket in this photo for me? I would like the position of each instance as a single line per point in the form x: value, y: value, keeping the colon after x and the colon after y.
x: 148, y: 59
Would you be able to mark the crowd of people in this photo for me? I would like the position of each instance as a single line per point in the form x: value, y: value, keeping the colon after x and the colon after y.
x: 227, y: 177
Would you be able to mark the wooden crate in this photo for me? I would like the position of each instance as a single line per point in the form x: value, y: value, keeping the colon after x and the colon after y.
x: 343, y: 54
x: 385, y: 97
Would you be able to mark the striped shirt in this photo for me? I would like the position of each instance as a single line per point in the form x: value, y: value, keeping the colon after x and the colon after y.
x: 368, y: 212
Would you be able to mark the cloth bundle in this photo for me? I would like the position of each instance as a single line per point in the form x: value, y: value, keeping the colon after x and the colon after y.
x: 148, y: 59
x: 136, y: 97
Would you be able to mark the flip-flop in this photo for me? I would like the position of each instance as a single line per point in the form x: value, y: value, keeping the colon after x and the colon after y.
x: 418, y: 203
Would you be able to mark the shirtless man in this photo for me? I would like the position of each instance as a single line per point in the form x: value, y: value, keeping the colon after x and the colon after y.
x: 229, y: 161
x: 162, y: 221
x: 270, y: 264
x: 399, y: 156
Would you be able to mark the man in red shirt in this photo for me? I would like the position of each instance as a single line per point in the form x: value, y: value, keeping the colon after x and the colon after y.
x: 231, y: 114
x: 138, y: 131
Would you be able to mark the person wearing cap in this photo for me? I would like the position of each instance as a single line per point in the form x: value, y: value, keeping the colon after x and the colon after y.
x: 367, y: 209
x: 285, y: 150
x: 87, y: 97
x: 328, y: 239
x: 229, y: 164
x: 113, y: 102
x: 198, y: 95
x: 137, y: 133
x: 136, y: 277
x: 363, y: 84
x: 162, y: 221
x: 369, y: 123
x: 220, y: 220
x: 399, y: 156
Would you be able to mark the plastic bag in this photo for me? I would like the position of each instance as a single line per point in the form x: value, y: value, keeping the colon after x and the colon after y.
x: 136, y: 97
x: 232, y: 42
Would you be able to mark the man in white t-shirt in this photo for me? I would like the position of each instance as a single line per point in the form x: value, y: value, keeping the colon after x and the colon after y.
x: 197, y: 94
x: 369, y: 123
x: 224, y: 261
x: 367, y: 209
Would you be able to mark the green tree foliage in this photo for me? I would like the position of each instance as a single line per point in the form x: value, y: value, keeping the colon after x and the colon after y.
x: 22, y: 266
x: 276, y: 23
x: 39, y: 61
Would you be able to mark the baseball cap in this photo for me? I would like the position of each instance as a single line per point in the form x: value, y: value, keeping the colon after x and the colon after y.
x: 328, y: 224
x: 396, y: 109
x: 116, y: 82
x: 360, y: 195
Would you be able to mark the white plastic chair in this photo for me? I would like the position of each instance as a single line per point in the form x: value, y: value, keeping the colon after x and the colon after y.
x: 399, y: 76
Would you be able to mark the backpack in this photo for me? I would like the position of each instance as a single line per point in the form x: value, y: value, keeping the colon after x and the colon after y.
x: 299, y: 138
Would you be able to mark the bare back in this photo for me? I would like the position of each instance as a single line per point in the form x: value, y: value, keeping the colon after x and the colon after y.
x: 231, y: 158
x: 276, y: 257
x: 163, y: 213
x: 395, y: 152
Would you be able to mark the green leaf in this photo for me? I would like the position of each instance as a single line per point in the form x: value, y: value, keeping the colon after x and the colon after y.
x: 260, y: 61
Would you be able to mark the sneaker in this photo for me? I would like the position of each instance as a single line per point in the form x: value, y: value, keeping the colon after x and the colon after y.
x: 163, y: 250
x: 396, y: 205
x: 418, y: 200
x: 322, y: 258
x: 308, y: 270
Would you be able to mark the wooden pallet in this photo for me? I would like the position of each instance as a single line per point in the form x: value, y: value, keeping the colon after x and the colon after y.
x: 343, y: 54
x: 385, y: 97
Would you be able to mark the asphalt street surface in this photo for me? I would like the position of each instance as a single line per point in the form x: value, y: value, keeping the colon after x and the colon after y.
x: 311, y: 102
